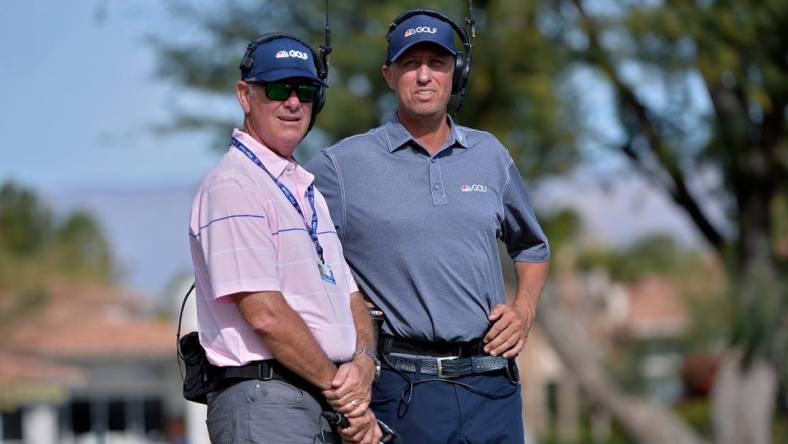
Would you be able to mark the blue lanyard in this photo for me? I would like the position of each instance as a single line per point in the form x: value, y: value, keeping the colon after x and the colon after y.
x: 310, y: 195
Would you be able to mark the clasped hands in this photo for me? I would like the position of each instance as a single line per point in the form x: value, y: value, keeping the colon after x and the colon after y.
x: 350, y: 394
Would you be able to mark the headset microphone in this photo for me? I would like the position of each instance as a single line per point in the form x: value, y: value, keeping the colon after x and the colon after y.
x: 326, y: 49
x: 470, y: 34
x: 470, y: 23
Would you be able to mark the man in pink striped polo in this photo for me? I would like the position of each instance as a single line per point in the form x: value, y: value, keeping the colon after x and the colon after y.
x: 280, y: 317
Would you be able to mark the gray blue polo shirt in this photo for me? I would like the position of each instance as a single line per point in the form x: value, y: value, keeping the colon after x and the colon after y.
x: 419, y: 231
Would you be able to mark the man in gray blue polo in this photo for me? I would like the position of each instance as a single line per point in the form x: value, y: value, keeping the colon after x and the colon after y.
x: 418, y: 204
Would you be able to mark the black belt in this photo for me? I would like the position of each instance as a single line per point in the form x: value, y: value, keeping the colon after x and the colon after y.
x: 263, y: 370
x: 391, y: 344
x: 444, y: 359
x: 448, y: 368
x: 223, y: 377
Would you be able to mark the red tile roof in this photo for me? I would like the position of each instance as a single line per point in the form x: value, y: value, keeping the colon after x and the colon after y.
x: 87, y: 321
x: 656, y: 308
x: 25, y: 379
x: 16, y: 368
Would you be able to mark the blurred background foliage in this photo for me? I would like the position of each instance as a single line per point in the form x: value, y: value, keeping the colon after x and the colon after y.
x: 35, y: 244
x: 657, y: 254
x: 539, y: 131
x: 691, y: 95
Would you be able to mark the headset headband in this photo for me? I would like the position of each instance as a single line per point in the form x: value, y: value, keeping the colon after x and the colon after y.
x: 466, y: 43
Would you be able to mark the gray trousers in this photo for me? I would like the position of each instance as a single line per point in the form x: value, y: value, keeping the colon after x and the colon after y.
x: 271, y: 411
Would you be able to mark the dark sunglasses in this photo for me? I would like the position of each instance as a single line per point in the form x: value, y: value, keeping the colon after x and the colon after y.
x: 281, y: 90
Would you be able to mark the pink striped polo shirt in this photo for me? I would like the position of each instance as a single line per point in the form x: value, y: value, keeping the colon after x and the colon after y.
x: 245, y: 236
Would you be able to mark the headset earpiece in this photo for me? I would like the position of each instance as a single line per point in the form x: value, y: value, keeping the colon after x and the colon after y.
x: 322, y: 72
x: 460, y: 79
x: 247, y: 62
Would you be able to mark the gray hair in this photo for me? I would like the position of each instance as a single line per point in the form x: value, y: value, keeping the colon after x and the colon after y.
x: 250, y: 90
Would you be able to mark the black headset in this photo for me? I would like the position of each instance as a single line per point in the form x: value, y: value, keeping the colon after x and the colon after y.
x: 462, y: 61
x: 319, y: 58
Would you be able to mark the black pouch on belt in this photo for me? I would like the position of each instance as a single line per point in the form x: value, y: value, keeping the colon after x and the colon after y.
x: 195, y: 364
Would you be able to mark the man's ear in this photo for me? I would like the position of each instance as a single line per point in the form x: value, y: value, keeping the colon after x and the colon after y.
x: 242, y: 91
x: 388, y: 76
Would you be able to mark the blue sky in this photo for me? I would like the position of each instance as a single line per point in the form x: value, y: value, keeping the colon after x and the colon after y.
x: 80, y: 98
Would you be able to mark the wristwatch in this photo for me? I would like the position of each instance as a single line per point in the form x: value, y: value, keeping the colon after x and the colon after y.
x: 375, y: 359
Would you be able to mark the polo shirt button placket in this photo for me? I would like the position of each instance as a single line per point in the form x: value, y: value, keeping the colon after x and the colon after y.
x: 436, y: 179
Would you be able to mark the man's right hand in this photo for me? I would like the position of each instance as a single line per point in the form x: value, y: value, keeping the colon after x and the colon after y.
x: 363, y: 430
x: 351, y: 388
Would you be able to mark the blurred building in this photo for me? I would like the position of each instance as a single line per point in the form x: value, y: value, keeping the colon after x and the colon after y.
x: 89, y: 364
x: 93, y: 364
x: 648, y: 315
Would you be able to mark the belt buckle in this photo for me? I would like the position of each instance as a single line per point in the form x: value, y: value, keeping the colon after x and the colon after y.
x: 440, y: 366
x: 265, y: 371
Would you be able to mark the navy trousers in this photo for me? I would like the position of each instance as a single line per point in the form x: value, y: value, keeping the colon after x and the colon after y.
x: 443, y: 413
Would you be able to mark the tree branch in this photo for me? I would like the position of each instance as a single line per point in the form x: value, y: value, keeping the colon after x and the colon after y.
x: 646, y: 126
x: 645, y: 422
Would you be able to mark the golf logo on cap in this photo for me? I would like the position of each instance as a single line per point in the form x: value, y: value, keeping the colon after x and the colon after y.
x: 419, y: 30
x: 292, y: 53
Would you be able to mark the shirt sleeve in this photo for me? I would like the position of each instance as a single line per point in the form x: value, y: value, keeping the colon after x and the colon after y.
x: 520, y: 231
x: 329, y: 182
x: 236, y: 240
x: 351, y: 283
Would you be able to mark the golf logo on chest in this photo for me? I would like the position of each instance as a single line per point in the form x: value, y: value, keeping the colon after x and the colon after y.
x: 474, y: 188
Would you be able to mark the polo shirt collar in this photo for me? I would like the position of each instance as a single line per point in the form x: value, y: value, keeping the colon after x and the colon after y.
x: 273, y: 162
x: 398, y: 135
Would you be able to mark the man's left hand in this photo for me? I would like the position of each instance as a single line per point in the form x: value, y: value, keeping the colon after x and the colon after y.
x: 509, y: 330
x: 363, y: 430
x: 351, y: 388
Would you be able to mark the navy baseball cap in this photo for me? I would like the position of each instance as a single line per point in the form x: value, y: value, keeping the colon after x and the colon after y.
x: 417, y: 29
x: 280, y: 58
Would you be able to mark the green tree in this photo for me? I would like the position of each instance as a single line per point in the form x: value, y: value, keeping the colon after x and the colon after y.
x: 539, y: 130
x: 81, y: 249
x: 35, y: 245
x: 698, y: 88
x: 655, y: 254
x: 731, y: 54
x: 24, y: 223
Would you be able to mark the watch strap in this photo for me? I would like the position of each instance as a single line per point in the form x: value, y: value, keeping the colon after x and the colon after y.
x: 375, y: 360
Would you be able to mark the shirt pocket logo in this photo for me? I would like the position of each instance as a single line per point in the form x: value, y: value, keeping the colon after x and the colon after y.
x: 474, y: 188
